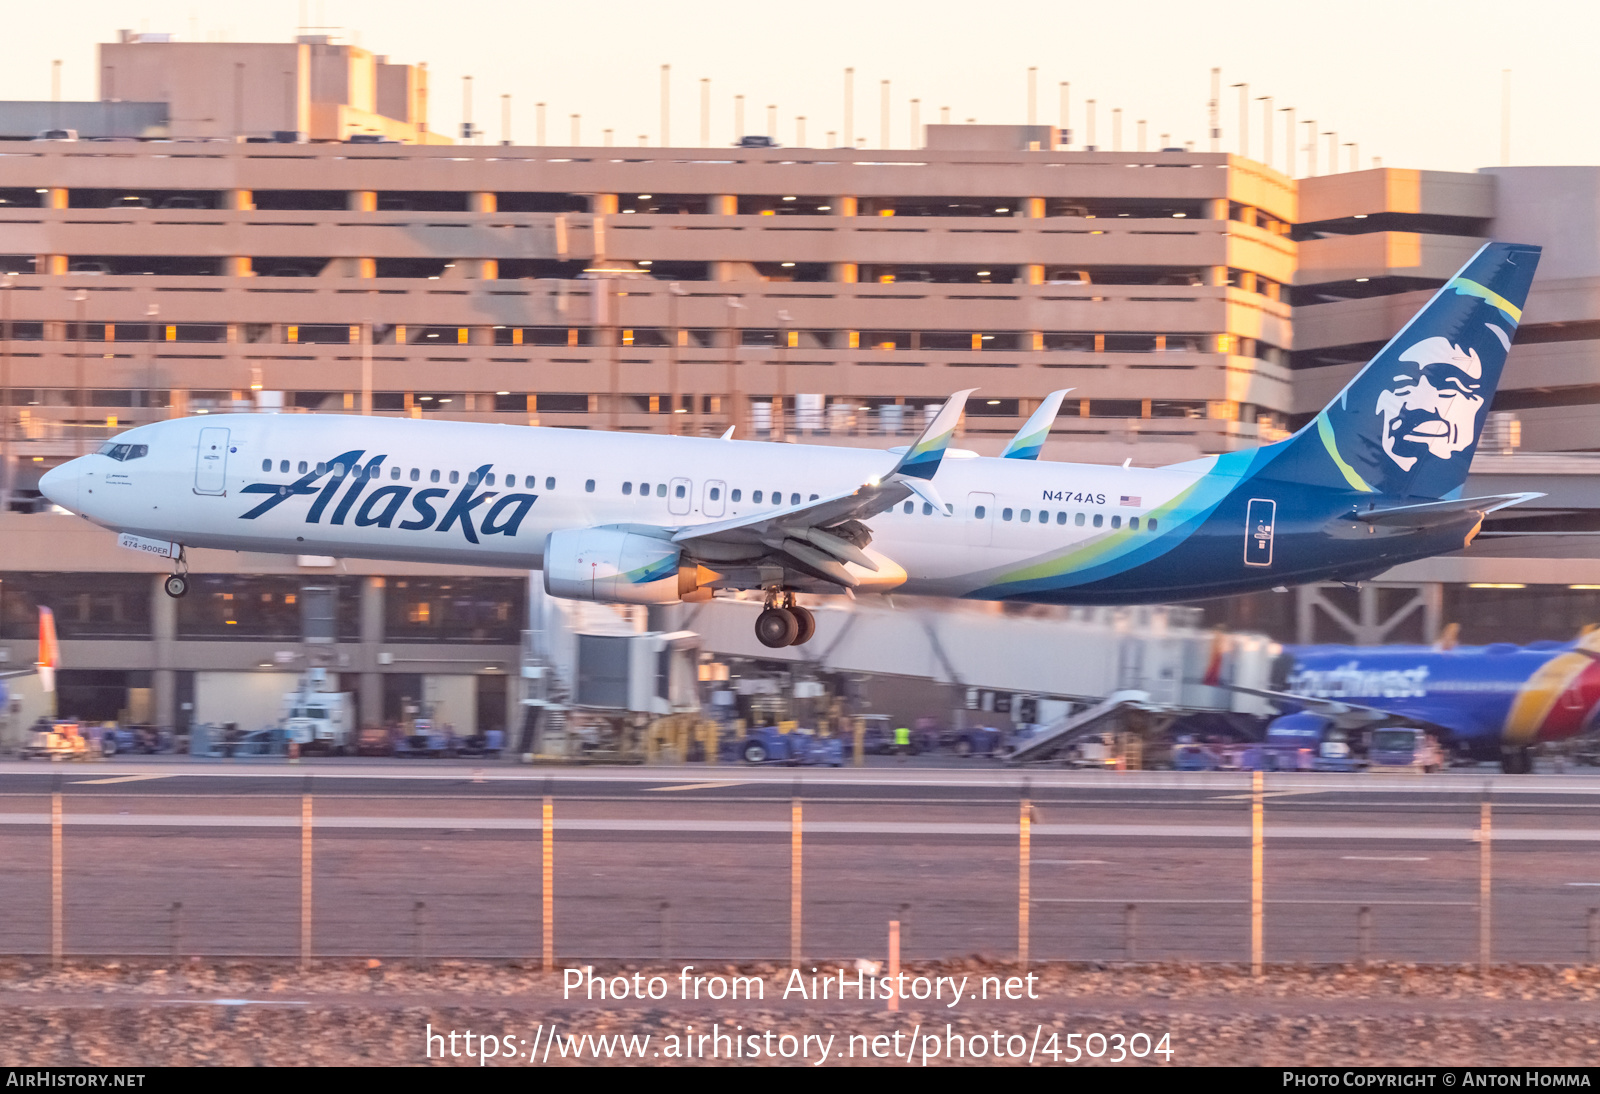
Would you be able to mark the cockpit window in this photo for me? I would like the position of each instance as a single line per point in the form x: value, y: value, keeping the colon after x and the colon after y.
x: 124, y: 452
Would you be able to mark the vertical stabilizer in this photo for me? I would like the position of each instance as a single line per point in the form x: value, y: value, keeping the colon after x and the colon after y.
x: 1409, y: 423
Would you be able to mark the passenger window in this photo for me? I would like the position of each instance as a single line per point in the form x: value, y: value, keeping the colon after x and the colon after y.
x: 373, y: 470
x: 322, y: 468
x: 978, y: 513
x: 433, y: 476
x: 1116, y: 522
x: 1133, y: 522
x: 813, y: 497
x: 794, y: 499
x: 550, y: 482
x: 1150, y: 525
x: 588, y: 486
x: 303, y: 468
x: 644, y: 490
x: 416, y: 474
x: 927, y: 510
x: 1005, y: 514
x: 1026, y: 515
x: 472, y: 478
x: 394, y: 473
x: 756, y: 497
x: 1061, y: 517
x: 734, y: 496
x: 1078, y: 520
x: 909, y: 506
x: 627, y: 489
x: 680, y: 491
x: 455, y: 477
x: 283, y: 467
x: 661, y: 489
x: 511, y: 480
x: 1099, y: 520
x: 266, y: 465
x: 715, y: 493
x: 489, y: 479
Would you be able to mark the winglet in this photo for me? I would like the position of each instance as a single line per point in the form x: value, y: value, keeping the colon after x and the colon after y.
x: 921, y: 460
x: 1031, y: 437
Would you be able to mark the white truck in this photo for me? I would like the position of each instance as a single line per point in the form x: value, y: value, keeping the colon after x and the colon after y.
x: 319, y: 721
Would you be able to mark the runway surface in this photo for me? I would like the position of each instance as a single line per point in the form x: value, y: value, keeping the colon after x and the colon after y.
x: 693, y: 863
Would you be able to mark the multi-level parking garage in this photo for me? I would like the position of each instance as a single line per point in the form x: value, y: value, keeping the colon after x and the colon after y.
x: 570, y: 287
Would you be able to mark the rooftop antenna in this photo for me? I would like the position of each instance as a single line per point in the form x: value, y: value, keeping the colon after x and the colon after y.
x: 1142, y: 124
x: 505, y: 119
x: 1355, y: 157
x: 1333, y: 152
x: 576, y: 118
x: 1504, y: 117
x: 1288, y: 138
x: 1088, y: 130
x: 538, y: 123
x: 738, y: 117
x: 1311, y: 148
x: 772, y: 120
x: 883, y: 120
x: 1266, y: 129
x: 916, y: 123
x: 849, y: 106
x: 467, y: 132
x: 1066, y: 115
x: 1116, y: 129
x: 1215, y: 109
x: 1244, y: 119
x: 666, y: 105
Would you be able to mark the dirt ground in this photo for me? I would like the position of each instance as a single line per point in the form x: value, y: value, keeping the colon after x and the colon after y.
x: 133, y: 1014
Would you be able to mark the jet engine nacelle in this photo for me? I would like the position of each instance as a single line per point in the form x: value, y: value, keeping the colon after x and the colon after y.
x: 618, y: 567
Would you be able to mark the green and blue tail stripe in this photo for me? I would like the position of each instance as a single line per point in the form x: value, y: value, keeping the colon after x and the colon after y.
x: 1029, y: 441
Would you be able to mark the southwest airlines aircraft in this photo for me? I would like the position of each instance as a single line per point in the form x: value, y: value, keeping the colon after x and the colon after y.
x: 1374, y: 480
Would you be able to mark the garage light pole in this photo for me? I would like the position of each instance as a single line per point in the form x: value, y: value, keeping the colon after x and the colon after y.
x: 79, y: 298
x: 674, y: 291
x: 5, y: 393
x: 779, y: 404
x: 734, y: 416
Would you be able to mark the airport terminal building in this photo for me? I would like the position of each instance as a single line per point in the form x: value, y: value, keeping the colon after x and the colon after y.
x: 1193, y: 302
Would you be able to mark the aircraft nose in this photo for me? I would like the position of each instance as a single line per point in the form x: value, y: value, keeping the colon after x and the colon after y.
x: 60, y: 484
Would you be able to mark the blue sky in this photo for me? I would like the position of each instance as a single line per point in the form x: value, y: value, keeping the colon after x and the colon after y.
x: 1417, y: 82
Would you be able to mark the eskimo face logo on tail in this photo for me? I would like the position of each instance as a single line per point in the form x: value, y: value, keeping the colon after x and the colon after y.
x: 387, y: 501
x: 1433, y: 406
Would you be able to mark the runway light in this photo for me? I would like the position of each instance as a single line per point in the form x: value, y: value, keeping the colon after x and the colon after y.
x: 1179, y: 216
x: 790, y: 198
x: 1495, y: 585
x: 1363, y: 279
x: 787, y: 264
x: 1583, y: 586
x: 823, y: 208
x: 994, y: 402
x: 646, y: 197
x: 502, y: 393
x: 1359, y: 216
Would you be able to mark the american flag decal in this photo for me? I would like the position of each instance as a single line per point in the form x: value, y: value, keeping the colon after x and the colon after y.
x: 1129, y: 500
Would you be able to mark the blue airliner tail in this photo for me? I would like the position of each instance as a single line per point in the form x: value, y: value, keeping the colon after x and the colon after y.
x: 1409, y: 422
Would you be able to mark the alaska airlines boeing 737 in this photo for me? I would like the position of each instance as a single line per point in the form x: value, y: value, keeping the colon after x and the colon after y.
x: 1373, y: 480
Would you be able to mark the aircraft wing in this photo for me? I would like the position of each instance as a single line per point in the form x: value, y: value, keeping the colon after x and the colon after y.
x: 1440, y: 512
x: 826, y: 535
x: 1346, y: 715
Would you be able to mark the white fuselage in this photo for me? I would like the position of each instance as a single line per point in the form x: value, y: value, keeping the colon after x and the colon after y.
x: 201, y: 477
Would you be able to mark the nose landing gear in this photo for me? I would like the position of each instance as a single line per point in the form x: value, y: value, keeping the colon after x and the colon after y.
x: 784, y: 623
x: 177, y: 584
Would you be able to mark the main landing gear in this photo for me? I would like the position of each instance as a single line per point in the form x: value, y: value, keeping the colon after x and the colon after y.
x: 784, y: 623
x: 177, y: 584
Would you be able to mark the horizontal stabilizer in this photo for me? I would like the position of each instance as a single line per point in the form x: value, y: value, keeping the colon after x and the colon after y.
x: 1440, y: 512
